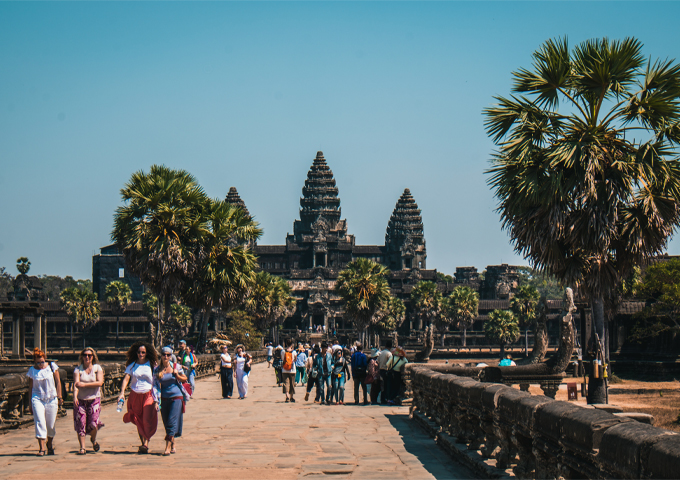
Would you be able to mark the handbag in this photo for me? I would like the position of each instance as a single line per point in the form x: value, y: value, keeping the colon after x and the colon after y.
x: 246, y: 367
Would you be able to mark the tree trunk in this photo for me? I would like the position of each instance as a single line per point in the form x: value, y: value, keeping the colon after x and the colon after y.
x: 202, y: 339
x: 597, y: 390
x: 502, y: 351
x: 117, y: 328
x: 443, y: 338
x: 166, y: 318
x: 464, y: 334
x: 71, y: 334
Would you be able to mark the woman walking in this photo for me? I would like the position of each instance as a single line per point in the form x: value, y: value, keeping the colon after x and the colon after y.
x: 88, y: 378
x: 142, y: 405
x: 168, y: 379
x: 338, y: 376
x: 243, y: 365
x: 45, y: 386
x: 300, y: 362
x: 226, y: 373
x: 312, y: 373
x: 373, y: 375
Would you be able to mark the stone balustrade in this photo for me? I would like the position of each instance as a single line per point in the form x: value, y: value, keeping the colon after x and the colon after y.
x: 492, y: 427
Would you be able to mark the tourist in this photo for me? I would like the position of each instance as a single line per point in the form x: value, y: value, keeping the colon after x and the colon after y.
x: 226, y: 373
x: 277, y: 363
x: 311, y: 373
x: 359, y: 364
x: 288, y: 370
x: 168, y: 380
x: 189, y: 363
x: 323, y: 362
x: 507, y: 361
x: 383, y: 358
x: 243, y: 366
x: 373, y: 375
x: 270, y: 353
x: 300, y: 363
x: 395, y: 367
x: 45, y: 386
x: 88, y: 378
x: 339, y: 375
x: 142, y: 404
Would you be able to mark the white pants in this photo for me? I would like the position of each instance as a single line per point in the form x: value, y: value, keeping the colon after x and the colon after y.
x: 44, y: 416
x: 242, y: 383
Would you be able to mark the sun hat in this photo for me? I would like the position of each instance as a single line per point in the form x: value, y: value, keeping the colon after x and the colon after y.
x: 374, y: 353
x: 400, y: 351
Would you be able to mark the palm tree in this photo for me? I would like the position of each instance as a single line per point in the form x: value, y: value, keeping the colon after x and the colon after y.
x: 364, y: 288
x: 68, y: 299
x: 225, y: 270
x: 426, y: 300
x: 157, y: 230
x: 501, y: 328
x: 82, y: 308
x: 462, y: 307
x: 589, y: 191
x: 523, y: 304
x: 118, y: 295
x: 390, y: 317
x: 270, y: 302
x: 23, y: 265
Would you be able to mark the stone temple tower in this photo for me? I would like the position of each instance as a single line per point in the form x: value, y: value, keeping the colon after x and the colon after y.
x: 404, y: 239
x: 235, y: 199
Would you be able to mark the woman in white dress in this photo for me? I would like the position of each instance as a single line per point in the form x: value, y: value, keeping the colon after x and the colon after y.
x: 45, y: 387
x: 243, y: 364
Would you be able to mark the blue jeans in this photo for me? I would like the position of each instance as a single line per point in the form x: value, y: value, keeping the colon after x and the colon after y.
x: 338, y: 388
x: 192, y: 381
x: 323, y: 382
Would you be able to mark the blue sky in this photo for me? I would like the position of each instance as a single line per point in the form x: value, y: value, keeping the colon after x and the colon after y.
x: 244, y: 94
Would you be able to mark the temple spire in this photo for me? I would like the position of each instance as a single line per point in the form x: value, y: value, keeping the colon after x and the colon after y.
x: 405, y: 239
x: 320, y: 201
x: 234, y: 199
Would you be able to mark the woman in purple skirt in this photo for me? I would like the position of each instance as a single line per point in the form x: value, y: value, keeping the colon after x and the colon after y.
x: 88, y: 379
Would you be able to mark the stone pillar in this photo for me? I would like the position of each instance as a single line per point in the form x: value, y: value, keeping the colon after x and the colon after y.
x: 22, y: 336
x: 37, y: 331
x: 43, y: 319
x: 15, y: 336
x: 2, y: 334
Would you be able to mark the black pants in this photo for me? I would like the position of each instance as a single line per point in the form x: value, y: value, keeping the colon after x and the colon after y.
x: 359, y: 383
x: 227, y: 379
x: 394, y: 385
x: 384, y: 386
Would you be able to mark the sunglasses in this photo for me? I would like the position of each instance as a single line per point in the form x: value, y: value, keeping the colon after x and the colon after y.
x: 88, y: 355
x: 167, y: 354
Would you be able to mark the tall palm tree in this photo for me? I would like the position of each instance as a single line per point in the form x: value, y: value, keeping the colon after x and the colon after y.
x: 586, y: 171
x: 270, y: 302
x: 157, y: 230
x: 23, y: 265
x: 118, y: 295
x: 68, y: 299
x: 524, y: 305
x: 502, y: 328
x: 224, y: 272
x: 82, y: 308
x: 462, y: 307
x: 390, y: 317
x: 427, y: 302
x: 364, y: 288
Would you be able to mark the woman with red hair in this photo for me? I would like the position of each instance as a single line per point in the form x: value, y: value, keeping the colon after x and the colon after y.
x: 45, y: 386
x: 142, y: 405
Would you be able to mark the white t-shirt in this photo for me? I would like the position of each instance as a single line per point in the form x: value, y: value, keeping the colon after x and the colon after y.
x: 226, y: 360
x: 43, y: 382
x: 283, y: 357
x: 141, y: 377
x: 270, y: 349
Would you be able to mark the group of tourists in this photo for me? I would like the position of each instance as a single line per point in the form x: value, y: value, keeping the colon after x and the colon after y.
x: 238, y: 368
x: 329, y: 368
x: 162, y: 383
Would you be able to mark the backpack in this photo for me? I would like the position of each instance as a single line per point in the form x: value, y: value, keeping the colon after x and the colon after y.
x: 288, y: 362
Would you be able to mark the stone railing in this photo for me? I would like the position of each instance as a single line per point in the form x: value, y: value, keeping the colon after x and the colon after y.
x: 493, y: 427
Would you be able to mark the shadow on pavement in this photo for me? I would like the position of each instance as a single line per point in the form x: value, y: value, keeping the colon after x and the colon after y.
x: 435, y: 460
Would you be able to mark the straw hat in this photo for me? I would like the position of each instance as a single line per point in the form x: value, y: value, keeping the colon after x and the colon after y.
x: 374, y: 353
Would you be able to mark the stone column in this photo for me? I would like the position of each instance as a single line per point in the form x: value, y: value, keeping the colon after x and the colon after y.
x: 22, y: 336
x: 2, y: 334
x: 43, y: 319
x: 15, y: 336
x: 37, y: 331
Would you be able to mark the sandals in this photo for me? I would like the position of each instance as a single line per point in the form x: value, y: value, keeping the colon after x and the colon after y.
x: 50, y: 451
x: 95, y: 446
x: 41, y: 453
x: 143, y: 449
x: 82, y: 451
x: 173, y: 450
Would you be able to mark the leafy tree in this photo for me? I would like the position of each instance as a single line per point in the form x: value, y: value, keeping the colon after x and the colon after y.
x: 118, y: 295
x: 82, y: 308
x: 591, y: 189
x: 661, y: 286
x: 426, y: 300
x: 524, y: 304
x: 545, y: 284
x: 501, y: 328
x: 180, y: 321
x: 270, y: 302
x: 23, y: 265
x: 441, y: 277
x: 364, y: 288
x: 390, y: 316
x: 462, y: 307
x: 241, y: 330
x: 224, y: 272
x: 6, y: 282
x: 157, y: 230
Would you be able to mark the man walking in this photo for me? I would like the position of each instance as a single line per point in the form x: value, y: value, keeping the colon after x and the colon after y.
x: 324, y: 365
x: 359, y: 363
x: 189, y: 363
x: 383, y: 358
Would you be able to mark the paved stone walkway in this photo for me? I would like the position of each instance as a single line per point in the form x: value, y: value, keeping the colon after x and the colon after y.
x: 260, y: 437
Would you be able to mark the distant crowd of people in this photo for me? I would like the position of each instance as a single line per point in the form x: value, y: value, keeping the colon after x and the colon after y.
x: 328, y: 368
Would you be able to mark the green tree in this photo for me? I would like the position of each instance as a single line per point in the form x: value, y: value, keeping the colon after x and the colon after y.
x: 270, y: 302
x: 441, y: 277
x: 82, y: 308
x: 363, y: 287
x: 426, y: 300
x: 119, y: 296
x: 586, y: 170
x: 661, y: 287
x: 225, y: 265
x: 241, y: 330
x: 390, y: 316
x: 545, y: 284
x: 524, y: 304
x: 23, y: 265
x: 463, y: 307
x: 157, y: 230
x: 502, y: 328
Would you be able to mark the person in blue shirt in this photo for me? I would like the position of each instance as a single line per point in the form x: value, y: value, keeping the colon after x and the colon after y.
x: 359, y: 363
x: 323, y: 362
x: 507, y: 362
x: 168, y: 379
